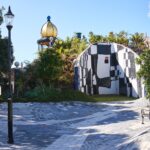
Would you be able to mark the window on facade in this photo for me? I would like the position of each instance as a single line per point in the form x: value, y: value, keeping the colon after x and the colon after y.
x: 106, y: 60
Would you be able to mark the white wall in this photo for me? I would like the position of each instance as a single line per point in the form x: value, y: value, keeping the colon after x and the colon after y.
x: 112, y: 90
x: 89, y: 62
x: 134, y: 87
x: 113, y: 48
x: 121, y: 62
x: 93, y: 49
x: 103, y: 69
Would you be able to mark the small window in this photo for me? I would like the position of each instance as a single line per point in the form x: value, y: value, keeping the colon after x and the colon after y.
x: 106, y: 60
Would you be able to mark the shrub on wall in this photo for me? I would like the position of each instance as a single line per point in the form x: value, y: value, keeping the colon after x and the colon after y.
x: 144, y: 72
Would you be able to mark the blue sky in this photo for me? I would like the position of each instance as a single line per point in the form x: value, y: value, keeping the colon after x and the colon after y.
x: 99, y: 16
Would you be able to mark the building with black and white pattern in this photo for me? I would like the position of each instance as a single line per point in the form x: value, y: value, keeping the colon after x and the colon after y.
x: 108, y: 68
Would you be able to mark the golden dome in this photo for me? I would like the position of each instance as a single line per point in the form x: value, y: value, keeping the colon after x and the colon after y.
x: 48, y: 29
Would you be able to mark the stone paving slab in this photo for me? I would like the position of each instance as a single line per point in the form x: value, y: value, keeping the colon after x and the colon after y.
x: 71, y: 126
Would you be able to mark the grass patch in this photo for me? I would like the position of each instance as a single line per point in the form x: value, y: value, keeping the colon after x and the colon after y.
x: 55, y: 95
x: 111, y: 98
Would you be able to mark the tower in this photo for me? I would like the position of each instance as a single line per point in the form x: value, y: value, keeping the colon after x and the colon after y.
x: 48, y: 34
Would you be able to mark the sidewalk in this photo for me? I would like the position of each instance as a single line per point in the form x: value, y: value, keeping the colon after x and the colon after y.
x: 73, y: 126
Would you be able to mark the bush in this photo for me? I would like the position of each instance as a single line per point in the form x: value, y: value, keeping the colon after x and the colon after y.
x: 51, y: 94
x: 144, y: 72
x: 42, y: 93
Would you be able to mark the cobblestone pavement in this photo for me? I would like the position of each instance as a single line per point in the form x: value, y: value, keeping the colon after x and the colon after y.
x: 71, y: 126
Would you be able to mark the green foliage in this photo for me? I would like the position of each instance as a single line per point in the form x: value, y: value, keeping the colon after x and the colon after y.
x: 144, y: 72
x: 69, y: 50
x: 122, y: 38
x: 95, y: 38
x: 52, y: 94
x: 137, y: 42
x: 54, y: 66
x: 49, y: 93
x: 20, y: 81
x: 4, y: 66
x: 112, y: 37
x: 49, y: 65
x: 42, y: 93
x: 3, y: 55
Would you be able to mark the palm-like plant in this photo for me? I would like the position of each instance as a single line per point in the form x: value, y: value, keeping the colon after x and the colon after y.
x: 111, y: 37
x: 95, y: 38
x: 70, y: 49
x: 122, y: 38
x: 138, y: 42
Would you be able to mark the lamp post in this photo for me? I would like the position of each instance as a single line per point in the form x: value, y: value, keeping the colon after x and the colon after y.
x: 9, y: 18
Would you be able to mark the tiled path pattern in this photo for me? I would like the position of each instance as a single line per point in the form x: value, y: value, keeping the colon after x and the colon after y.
x: 71, y: 126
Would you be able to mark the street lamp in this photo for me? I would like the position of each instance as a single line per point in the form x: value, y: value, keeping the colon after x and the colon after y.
x: 9, y: 16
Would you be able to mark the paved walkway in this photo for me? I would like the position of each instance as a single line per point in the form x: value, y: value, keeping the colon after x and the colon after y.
x: 72, y: 126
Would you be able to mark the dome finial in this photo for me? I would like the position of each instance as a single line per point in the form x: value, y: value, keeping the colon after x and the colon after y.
x: 48, y: 18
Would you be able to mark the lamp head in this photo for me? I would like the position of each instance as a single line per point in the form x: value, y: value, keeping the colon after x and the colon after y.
x: 9, y: 16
